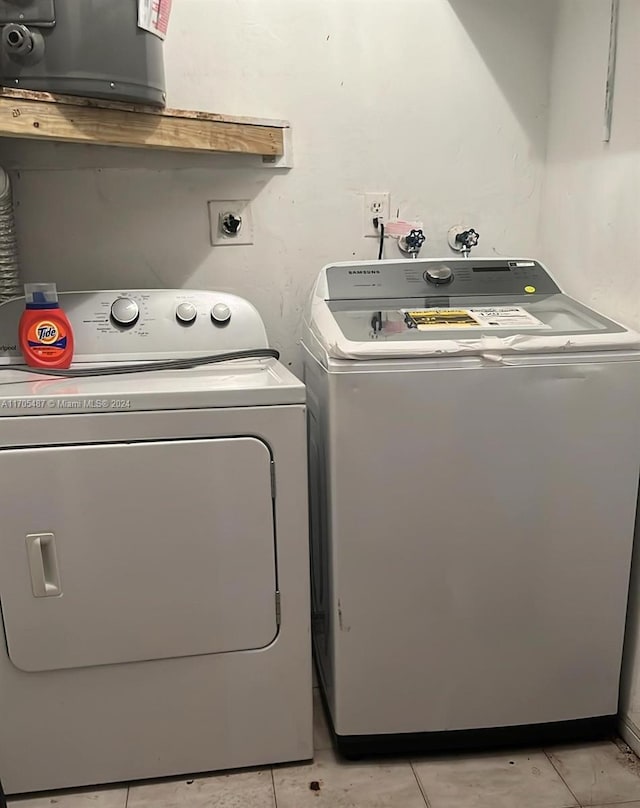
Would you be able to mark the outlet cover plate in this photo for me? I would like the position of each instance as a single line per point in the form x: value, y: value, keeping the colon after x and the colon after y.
x: 375, y: 203
x: 239, y: 207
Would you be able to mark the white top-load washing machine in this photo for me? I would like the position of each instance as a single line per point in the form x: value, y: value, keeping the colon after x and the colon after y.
x: 474, y: 450
x: 153, y: 549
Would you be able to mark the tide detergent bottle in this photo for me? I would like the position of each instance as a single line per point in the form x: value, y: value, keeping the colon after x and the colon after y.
x: 45, y: 334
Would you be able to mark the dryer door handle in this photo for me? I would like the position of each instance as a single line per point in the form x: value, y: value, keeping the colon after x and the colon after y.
x: 43, y: 565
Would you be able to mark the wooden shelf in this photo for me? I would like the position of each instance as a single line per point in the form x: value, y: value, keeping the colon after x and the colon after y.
x: 43, y: 116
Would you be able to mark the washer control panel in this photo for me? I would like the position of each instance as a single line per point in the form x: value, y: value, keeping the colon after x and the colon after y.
x: 434, y: 277
x: 146, y: 324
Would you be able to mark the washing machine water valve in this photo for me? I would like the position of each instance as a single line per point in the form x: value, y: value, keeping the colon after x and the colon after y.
x: 411, y: 244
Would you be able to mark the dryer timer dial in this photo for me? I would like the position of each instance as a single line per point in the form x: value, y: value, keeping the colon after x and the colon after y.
x: 125, y: 312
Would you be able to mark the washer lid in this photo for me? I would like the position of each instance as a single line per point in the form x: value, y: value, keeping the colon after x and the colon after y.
x: 360, y: 311
x: 414, y: 327
x: 246, y: 383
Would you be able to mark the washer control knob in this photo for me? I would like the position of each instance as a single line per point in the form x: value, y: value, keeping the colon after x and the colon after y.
x: 439, y: 274
x: 125, y: 311
x: 221, y: 314
x: 186, y: 313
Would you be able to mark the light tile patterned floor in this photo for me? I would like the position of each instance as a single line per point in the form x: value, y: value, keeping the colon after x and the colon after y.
x: 597, y: 775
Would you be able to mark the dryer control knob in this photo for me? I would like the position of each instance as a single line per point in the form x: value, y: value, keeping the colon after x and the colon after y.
x: 125, y: 311
x: 221, y: 314
x: 186, y: 313
x: 439, y: 274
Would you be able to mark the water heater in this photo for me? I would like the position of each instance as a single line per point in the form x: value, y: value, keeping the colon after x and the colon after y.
x: 93, y: 48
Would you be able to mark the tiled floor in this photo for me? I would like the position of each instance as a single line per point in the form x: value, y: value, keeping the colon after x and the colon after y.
x: 597, y: 774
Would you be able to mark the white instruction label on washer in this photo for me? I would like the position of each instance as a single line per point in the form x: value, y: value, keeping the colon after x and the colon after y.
x: 509, y: 317
x: 505, y: 317
x: 153, y: 16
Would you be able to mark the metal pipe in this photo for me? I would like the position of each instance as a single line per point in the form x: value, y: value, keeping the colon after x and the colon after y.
x: 10, y: 285
x: 611, y: 70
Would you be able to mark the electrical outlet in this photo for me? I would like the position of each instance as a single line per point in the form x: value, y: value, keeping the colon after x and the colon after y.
x: 231, y: 222
x: 375, y: 204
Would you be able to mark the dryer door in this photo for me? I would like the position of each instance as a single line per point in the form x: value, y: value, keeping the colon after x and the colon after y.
x: 124, y: 552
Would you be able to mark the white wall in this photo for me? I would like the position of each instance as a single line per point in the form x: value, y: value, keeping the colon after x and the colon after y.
x: 590, y: 213
x: 441, y: 102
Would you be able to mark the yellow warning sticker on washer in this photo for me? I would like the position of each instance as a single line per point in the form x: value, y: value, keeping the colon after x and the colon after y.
x: 529, y: 289
x: 440, y: 318
x: 511, y: 317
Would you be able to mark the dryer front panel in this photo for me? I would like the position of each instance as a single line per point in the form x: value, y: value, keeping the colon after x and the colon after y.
x: 121, y: 552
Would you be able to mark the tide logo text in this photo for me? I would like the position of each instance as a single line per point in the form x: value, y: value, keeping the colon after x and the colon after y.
x: 47, y: 333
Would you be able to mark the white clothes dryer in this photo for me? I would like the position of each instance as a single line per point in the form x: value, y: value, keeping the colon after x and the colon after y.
x: 153, y: 550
